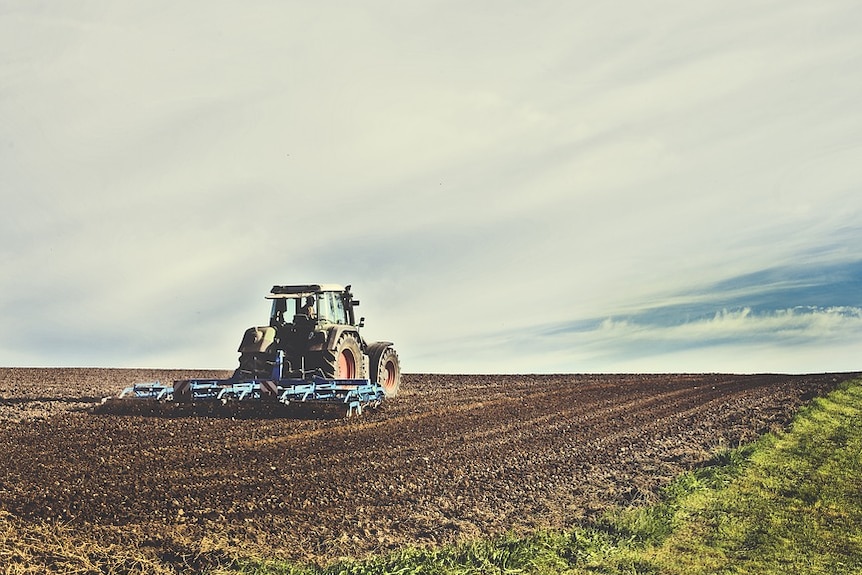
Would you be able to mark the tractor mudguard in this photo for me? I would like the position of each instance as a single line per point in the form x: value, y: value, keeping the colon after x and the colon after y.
x: 258, y: 339
x: 333, y: 334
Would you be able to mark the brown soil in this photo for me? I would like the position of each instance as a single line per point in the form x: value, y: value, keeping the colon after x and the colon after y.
x: 451, y: 458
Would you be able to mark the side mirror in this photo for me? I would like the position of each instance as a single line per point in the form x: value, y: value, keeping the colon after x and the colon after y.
x: 361, y: 322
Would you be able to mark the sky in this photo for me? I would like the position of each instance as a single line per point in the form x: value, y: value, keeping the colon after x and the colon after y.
x: 510, y: 187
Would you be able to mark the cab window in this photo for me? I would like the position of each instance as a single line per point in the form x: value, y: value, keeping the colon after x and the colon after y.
x: 331, y: 308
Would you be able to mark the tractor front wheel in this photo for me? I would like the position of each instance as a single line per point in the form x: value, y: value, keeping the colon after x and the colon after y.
x: 385, y: 368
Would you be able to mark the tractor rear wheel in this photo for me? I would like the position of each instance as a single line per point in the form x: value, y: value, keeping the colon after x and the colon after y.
x: 345, y: 361
x: 385, y: 368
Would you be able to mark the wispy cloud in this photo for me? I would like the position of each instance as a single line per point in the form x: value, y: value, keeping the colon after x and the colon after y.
x: 495, y: 178
x: 772, y: 316
x: 793, y: 326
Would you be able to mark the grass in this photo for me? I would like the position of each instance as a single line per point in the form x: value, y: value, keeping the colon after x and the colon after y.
x: 796, y: 508
x: 790, y: 502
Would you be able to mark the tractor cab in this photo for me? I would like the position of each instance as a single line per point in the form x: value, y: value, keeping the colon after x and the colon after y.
x: 314, y: 304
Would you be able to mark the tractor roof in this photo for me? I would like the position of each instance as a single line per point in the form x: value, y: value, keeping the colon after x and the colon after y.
x: 293, y: 291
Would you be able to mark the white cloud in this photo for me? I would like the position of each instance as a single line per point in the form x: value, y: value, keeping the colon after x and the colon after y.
x: 514, y: 165
x: 784, y: 326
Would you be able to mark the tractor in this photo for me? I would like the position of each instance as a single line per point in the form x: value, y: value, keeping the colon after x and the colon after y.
x: 313, y: 330
x: 310, y: 360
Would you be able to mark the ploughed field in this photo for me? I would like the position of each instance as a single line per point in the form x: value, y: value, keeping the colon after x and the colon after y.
x: 453, y: 457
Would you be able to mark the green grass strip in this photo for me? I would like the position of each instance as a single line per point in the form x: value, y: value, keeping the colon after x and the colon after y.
x: 789, y: 503
x: 797, y: 507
